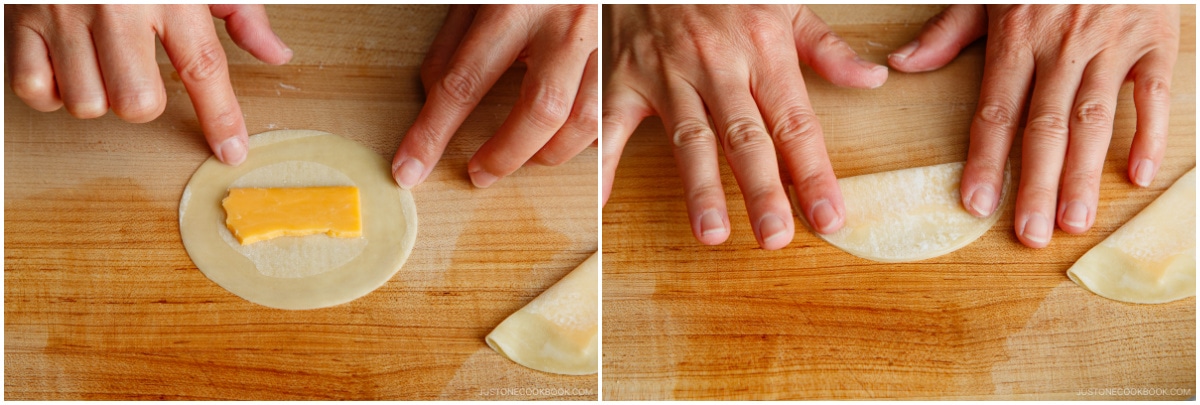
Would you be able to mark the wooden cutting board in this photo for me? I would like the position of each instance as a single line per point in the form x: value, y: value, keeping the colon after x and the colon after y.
x: 993, y: 320
x: 102, y: 302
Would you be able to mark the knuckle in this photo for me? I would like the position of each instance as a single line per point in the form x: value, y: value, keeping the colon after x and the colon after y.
x: 941, y: 24
x: 997, y: 113
x: 205, y: 63
x: 549, y: 106
x: 1093, y: 113
x: 1049, y: 124
x: 425, y: 144
x: 813, y: 179
x: 612, y: 120
x: 1150, y: 139
x: 550, y: 157
x: 1038, y: 191
x: 829, y: 39
x: 62, y: 15
x: 797, y: 129
x: 1017, y: 20
x: 763, y: 192
x: 461, y: 83
x: 116, y: 11
x: 1082, y: 180
x: 503, y: 162
x: 225, y: 119
x: 1157, y: 87
x: 705, y: 192
x: 693, y: 134
x: 744, y: 135
x: 566, y: 144
x: 763, y: 28
x: 140, y: 106
x: 586, y: 119
x: 991, y: 165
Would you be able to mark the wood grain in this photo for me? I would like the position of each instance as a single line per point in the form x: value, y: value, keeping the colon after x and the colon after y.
x: 992, y: 320
x: 102, y: 301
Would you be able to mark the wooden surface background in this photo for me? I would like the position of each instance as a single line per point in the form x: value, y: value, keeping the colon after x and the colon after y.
x: 993, y: 320
x: 102, y: 302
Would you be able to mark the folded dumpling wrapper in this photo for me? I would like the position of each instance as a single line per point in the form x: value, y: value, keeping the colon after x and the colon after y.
x: 1152, y: 258
x: 557, y: 331
x: 908, y: 215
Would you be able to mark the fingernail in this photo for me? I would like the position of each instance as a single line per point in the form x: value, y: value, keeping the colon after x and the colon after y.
x: 771, y: 227
x: 711, y: 223
x: 93, y: 108
x: 983, y: 201
x: 879, y: 69
x: 286, y: 49
x: 1037, y: 228
x: 1075, y: 215
x: 1144, y: 173
x: 873, y: 67
x: 232, y: 151
x: 408, y: 173
x: 905, y: 51
x: 824, y: 216
x: 482, y: 179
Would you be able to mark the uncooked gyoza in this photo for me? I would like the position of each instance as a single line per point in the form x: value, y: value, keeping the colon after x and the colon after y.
x: 908, y: 215
x: 1152, y: 258
x: 558, y: 331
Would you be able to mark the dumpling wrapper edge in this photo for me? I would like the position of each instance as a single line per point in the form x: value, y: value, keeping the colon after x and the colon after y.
x: 1152, y: 258
x: 557, y: 331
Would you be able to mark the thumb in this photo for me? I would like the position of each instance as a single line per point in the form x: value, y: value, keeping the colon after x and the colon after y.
x: 940, y: 40
x: 248, y: 27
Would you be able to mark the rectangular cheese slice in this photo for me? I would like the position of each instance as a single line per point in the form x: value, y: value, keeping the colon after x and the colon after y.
x: 257, y: 214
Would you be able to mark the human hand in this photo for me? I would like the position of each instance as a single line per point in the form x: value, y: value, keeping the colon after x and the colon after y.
x: 739, y: 65
x: 91, y: 58
x: 555, y: 115
x: 1075, y: 59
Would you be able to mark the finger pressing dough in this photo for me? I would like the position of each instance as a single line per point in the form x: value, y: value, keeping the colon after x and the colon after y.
x: 300, y: 272
x: 1152, y: 258
x: 908, y: 215
x: 556, y: 332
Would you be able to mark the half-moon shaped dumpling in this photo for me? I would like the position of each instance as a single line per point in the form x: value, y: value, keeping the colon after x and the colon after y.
x: 1152, y: 258
x: 908, y: 215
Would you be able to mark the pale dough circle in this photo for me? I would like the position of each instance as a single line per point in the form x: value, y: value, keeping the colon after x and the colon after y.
x: 908, y: 215
x: 299, y: 158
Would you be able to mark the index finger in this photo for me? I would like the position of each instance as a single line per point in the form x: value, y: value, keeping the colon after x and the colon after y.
x: 190, y: 40
x: 797, y: 133
x: 490, y: 46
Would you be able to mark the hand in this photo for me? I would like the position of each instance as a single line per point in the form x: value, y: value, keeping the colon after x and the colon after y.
x: 1075, y: 58
x: 555, y: 115
x: 90, y: 58
x: 739, y: 66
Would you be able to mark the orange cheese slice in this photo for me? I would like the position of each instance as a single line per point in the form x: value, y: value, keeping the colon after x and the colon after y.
x: 258, y: 214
